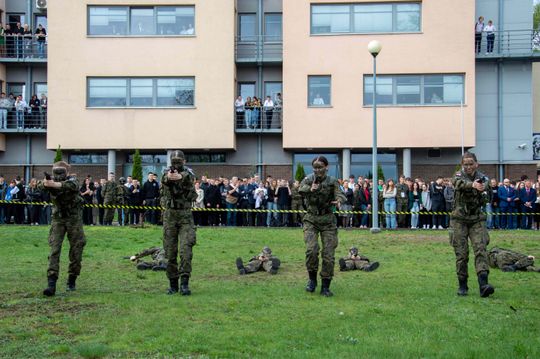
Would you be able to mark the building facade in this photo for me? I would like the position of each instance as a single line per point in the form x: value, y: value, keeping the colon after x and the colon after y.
x: 133, y: 75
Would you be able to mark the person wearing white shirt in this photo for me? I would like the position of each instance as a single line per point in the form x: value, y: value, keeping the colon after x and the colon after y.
x: 239, y: 107
x: 190, y: 30
x: 318, y: 100
x: 490, y: 31
x: 20, y: 109
x: 268, y: 111
x: 478, y: 29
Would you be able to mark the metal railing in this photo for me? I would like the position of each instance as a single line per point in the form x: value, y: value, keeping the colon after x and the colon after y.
x: 262, y: 48
x: 23, y: 121
x: 259, y: 120
x: 509, y: 43
x: 19, y: 48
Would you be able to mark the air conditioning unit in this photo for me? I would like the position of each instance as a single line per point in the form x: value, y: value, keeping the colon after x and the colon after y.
x: 41, y: 4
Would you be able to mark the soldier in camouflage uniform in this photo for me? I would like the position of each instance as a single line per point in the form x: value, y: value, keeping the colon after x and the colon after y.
x: 108, y: 192
x: 159, y: 260
x: 296, y: 203
x: 354, y: 260
x: 321, y: 193
x: 510, y: 261
x: 469, y: 222
x: 122, y: 199
x: 264, y: 260
x: 402, y: 198
x: 66, y: 219
x: 177, y: 194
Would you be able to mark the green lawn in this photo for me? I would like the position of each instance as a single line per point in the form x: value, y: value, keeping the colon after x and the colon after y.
x: 406, y: 309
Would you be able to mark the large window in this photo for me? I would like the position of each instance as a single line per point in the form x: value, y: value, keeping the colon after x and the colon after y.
x: 272, y: 89
x: 272, y: 27
x: 87, y: 158
x: 16, y: 89
x: 141, y: 92
x: 365, y: 18
x: 319, y: 90
x: 247, y: 31
x: 334, y: 168
x: 361, y: 165
x: 426, y: 90
x: 141, y: 21
x: 40, y: 88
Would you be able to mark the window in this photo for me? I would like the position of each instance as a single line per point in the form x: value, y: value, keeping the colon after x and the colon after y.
x: 88, y: 158
x: 318, y: 91
x: 246, y: 89
x: 272, y: 89
x: 16, y: 89
x: 205, y: 157
x: 149, y: 158
x: 13, y: 19
x: 365, y: 18
x: 334, y: 168
x: 361, y: 164
x: 40, y: 88
x: 41, y: 19
x: 272, y: 27
x: 141, y: 21
x: 143, y: 92
x: 247, y: 29
x: 424, y: 90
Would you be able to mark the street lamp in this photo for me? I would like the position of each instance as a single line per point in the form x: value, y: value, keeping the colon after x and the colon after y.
x: 374, y: 48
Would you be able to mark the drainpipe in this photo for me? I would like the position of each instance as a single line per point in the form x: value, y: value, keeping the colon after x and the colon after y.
x: 28, y: 158
x: 500, y: 119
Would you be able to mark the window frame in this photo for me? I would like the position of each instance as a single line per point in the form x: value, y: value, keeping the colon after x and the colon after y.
x: 239, y: 30
x: 422, y: 85
x: 128, y: 91
x: 352, y: 21
x: 265, y: 38
x: 128, y: 21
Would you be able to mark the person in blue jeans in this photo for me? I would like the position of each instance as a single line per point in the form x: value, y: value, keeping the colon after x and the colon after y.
x: 389, y: 196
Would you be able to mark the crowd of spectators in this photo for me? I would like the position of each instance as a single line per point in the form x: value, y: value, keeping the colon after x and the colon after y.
x: 21, y: 42
x: 255, y: 113
x: 416, y: 197
x: 15, y: 112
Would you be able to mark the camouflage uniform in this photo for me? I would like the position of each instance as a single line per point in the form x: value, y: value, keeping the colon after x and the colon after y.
x: 264, y: 260
x: 66, y: 219
x: 469, y: 222
x: 320, y: 219
x: 402, y: 198
x: 109, y: 193
x: 178, y: 226
x: 122, y: 193
x: 159, y: 259
x: 354, y: 260
x: 510, y: 261
x: 296, y: 205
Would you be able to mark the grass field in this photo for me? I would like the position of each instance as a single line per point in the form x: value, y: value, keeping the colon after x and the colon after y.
x: 406, y: 309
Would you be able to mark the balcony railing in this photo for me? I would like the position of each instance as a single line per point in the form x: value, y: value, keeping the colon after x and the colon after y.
x: 257, y: 120
x: 23, y: 122
x: 510, y: 43
x: 259, y: 49
x: 21, y: 49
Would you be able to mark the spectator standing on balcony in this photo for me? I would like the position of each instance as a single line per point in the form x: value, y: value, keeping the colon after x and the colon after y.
x: 256, y: 114
x: 5, y: 106
x: 43, y: 110
x: 278, y: 107
x: 27, y: 36
x: 35, y: 107
x: 490, y: 32
x: 248, y: 112
x: 240, y: 109
x: 268, y: 111
x: 41, y: 35
x: 478, y: 29
x: 20, y: 109
x: 10, y: 41
x: 2, y: 41
x: 18, y: 33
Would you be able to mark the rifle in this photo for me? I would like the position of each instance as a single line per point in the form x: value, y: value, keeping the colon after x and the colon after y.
x: 47, y: 176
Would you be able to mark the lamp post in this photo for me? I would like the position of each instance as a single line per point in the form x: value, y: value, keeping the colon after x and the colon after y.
x: 374, y: 47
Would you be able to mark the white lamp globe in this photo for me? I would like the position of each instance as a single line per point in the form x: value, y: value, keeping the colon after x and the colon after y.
x: 374, y: 47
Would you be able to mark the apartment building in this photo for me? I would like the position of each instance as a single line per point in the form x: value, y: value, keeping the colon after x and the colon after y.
x: 161, y: 75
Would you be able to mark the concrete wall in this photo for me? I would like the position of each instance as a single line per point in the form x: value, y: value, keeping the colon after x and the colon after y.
x: 208, y: 56
x: 346, y: 59
x: 15, y: 153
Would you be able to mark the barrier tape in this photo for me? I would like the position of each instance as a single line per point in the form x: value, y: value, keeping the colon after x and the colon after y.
x: 241, y: 210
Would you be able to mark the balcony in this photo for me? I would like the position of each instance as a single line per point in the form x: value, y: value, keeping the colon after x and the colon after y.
x: 258, y: 121
x: 18, y: 49
x: 511, y: 44
x: 26, y: 123
x: 258, y: 49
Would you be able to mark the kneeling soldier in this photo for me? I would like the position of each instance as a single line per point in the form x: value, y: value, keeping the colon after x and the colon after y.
x: 510, y: 261
x: 265, y: 260
x: 356, y: 261
x: 159, y: 261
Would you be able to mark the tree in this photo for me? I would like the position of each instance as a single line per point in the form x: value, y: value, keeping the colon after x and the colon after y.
x: 536, y: 16
x: 136, y: 172
x: 58, y: 156
x: 380, y: 172
x: 300, y: 173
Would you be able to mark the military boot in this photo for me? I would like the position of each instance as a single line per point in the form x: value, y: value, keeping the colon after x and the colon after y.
x: 51, y: 287
x: 325, y: 287
x: 511, y: 268
x: 143, y: 266
x: 371, y: 267
x: 463, y: 289
x: 312, y: 282
x: 173, y: 289
x: 342, y: 265
x: 71, y: 283
x: 240, y: 266
x: 275, y: 265
x: 184, y: 286
x: 485, y: 289
x: 159, y: 267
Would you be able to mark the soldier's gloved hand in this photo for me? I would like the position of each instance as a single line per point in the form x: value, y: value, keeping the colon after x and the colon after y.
x: 132, y: 258
x: 174, y: 176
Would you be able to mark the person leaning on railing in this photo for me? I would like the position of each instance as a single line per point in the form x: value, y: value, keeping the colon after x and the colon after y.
x: 41, y: 35
x: 2, y: 41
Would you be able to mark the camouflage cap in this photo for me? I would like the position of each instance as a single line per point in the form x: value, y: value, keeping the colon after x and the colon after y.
x: 177, y: 154
x: 353, y: 250
x: 122, y: 180
x: 267, y: 250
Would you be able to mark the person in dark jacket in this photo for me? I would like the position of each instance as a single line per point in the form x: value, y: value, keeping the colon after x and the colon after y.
x: 438, y: 203
x: 212, y: 199
x: 150, y: 194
